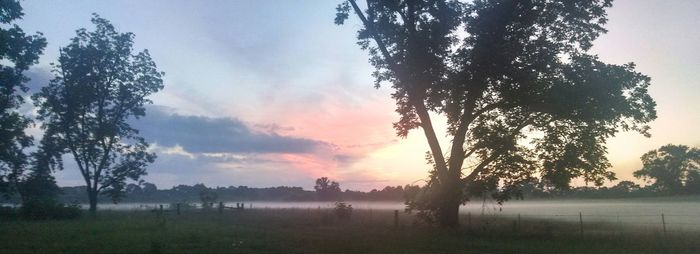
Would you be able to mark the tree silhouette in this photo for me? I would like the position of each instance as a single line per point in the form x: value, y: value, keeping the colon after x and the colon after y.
x: 327, y: 189
x: 18, y: 51
x: 207, y: 196
x: 503, y: 74
x: 99, y: 86
x: 39, y: 185
x: 672, y: 167
x: 625, y: 187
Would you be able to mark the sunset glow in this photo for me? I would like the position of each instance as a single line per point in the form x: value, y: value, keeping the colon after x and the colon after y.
x: 302, y: 86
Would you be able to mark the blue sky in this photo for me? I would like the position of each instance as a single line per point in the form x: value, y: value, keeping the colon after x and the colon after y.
x: 283, y: 95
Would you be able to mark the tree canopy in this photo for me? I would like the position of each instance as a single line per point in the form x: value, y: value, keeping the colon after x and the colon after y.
x: 521, y: 92
x: 18, y: 51
x: 327, y: 189
x: 100, y: 85
x: 673, y: 168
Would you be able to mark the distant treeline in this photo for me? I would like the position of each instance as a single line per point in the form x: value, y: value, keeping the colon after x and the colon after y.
x: 623, y: 189
x: 185, y: 193
x: 148, y: 192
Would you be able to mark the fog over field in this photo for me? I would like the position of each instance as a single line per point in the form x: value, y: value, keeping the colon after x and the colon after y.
x: 680, y: 214
x: 350, y: 126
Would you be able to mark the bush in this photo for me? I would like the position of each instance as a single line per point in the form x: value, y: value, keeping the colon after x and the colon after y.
x: 342, y: 210
x: 208, y: 197
x: 183, y: 205
x: 8, y: 212
x: 38, y: 210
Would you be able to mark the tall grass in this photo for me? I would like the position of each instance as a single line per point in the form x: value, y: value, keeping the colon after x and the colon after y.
x: 319, y: 231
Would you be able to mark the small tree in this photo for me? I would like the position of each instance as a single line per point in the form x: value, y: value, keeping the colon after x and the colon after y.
x: 625, y: 187
x: 38, y: 189
x: 99, y: 86
x: 39, y: 185
x: 18, y: 51
x: 327, y: 189
x: 208, y: 197
x: 672, y: 168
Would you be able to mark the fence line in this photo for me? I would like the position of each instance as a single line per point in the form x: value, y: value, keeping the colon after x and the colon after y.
x: 584, y: 222
x: 597, y: 222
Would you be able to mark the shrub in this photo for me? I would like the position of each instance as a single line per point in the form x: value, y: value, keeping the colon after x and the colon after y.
x: 8, y: 212
x: 183, y: 205
x: 42, y: 210
x: 207, y: 197
x: 342, y: 210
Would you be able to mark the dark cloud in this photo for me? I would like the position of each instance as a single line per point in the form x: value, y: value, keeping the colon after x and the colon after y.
x: 346, y: 159
x: 201, y: 134
x: 173, y: 169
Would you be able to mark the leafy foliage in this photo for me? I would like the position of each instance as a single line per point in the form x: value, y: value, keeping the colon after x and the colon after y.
x: 327, y: 189
x: 207, y: 197
x: 674, y: 168
x: 39, y: 186
x: 43, y: 210
x: 18, y: 51
x: 99, y: 86
x: 39, y: 191
x: 522, y: 95
x: 342, y: 210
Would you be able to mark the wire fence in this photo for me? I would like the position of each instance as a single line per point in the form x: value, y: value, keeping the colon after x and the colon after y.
x: 580, y: 222
x: 594, y: 222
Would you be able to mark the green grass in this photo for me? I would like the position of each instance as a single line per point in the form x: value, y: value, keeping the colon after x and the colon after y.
x: 316, y: 231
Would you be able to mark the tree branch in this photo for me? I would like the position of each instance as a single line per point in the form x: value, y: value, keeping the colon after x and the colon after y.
x: 421, y: 110
x: 370, y: 28
x: 500, y: 151
x: 469, y: 153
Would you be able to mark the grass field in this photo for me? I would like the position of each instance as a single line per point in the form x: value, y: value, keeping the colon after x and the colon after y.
x: 317, y: 231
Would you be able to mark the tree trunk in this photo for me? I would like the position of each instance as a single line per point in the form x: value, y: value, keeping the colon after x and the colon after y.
x: 448, y: 212
x: 448, y: 215
x: 92, y: 196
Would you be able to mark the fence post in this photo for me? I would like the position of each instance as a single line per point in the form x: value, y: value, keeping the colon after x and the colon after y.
x: 580, y: 222
x: 396, y: 219
x: 161, y: 209
x: 242, y: 206
x: 663, y: 222
x: 178, y: 208
x: 519, y: 221
x: 221, y: 207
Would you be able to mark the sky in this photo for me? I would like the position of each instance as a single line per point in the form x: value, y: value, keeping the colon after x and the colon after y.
x: 272, y: 93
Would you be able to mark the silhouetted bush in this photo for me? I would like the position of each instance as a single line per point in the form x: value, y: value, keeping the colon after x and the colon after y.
x: 8, y: 212
x: 183, y: 205
x: 38, y: 210
x: 342, y: 210
x: 207, y: 197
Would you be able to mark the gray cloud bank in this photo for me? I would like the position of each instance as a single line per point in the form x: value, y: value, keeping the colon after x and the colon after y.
x: 202, y: 134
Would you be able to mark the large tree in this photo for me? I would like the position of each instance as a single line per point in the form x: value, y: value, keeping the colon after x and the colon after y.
x: 673, y: 168
x: 521, y: 93
x: 18, y: 51
x: 100, y: 85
